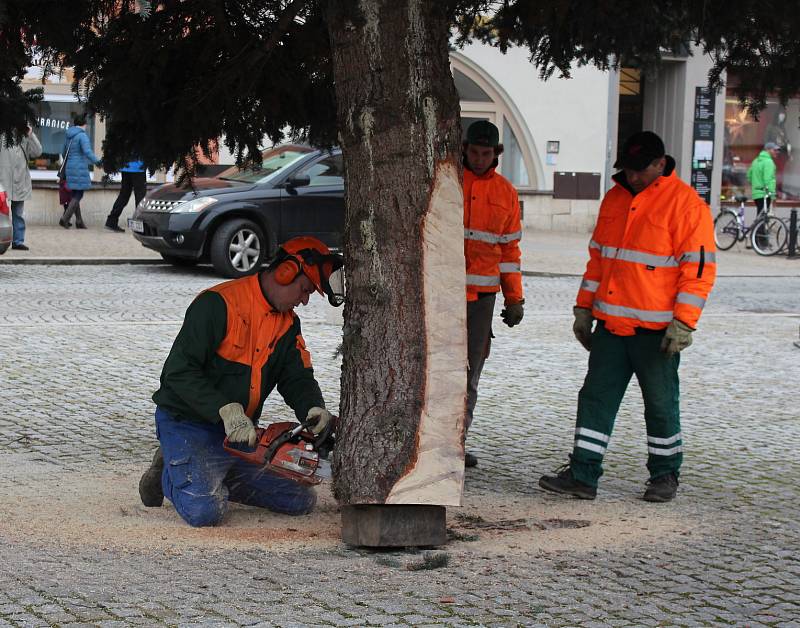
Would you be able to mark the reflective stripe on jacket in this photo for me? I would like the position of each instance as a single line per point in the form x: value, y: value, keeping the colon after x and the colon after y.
x: 492, y: 231
x: 651, y: 257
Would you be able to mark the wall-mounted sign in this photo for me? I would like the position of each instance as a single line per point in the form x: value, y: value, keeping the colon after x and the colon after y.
x: 553, y: 146
x: 703, y: 141
x: 704, y: 103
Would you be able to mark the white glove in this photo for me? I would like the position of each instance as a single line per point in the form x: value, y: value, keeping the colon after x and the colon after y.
x: 238, y: 425
x: 323, y: 418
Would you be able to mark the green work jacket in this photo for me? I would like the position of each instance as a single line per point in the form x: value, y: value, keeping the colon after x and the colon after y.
x: 233, y: 347
x: 762, y: 175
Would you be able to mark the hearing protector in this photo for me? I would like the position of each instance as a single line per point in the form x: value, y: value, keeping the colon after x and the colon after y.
x: 287, y: 269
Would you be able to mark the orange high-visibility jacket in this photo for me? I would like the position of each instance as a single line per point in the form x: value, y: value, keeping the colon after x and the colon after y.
x: 492, y: 230
x: 651, y: 258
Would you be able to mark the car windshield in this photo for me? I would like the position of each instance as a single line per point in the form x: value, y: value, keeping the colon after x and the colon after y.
x: 273, y: 161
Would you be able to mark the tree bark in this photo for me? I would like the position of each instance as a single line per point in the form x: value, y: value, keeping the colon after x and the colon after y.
x: 400, y: 440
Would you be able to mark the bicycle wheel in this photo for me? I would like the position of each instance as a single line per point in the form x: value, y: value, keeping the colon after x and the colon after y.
x: 726, y: 229
x: 768, y: 235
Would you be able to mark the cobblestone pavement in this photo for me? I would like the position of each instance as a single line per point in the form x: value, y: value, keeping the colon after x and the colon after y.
x: 83, y: 348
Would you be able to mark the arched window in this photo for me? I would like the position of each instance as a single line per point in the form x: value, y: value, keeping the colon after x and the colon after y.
x: 482, y: 100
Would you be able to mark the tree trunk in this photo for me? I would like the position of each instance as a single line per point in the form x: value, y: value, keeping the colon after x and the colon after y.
x: 400, y: 440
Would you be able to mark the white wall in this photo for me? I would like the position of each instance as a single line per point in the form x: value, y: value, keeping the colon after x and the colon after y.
x: 572, y: 111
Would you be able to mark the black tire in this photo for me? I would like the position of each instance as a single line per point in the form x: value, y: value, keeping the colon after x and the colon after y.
x: 769, y: 235
x: 183, y: 262
x: 238, y: 248
x: 726, y: 229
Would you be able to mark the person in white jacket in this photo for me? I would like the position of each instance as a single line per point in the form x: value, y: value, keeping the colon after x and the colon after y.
x: 15, y: 177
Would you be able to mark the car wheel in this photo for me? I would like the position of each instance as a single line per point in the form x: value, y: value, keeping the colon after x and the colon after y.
x: 238, y: 248
x: 178, y: 261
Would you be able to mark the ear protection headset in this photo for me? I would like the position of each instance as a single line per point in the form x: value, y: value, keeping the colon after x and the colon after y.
x: 287, y: 269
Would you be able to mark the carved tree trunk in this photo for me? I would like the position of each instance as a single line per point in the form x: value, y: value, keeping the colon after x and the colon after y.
x: 404, y: 368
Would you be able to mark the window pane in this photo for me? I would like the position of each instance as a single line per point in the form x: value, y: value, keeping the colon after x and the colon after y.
x: 513, y: 167
x: 54, y: 118
x: 328, y: 171
x: 468, y: 89
x: 273, y: 161
x: 745, y: 138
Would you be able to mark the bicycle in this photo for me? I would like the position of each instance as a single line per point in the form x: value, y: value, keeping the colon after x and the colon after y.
x: 767, y: 233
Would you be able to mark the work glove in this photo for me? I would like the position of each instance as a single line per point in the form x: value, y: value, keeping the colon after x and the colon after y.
x: 677, y: 337
x: 512, y: 314
x: 238, y: 425
x: 582, y: 327
x: 323, y: 418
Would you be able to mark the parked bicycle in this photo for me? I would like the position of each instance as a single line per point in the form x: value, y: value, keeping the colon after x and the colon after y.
x: 767, y: 233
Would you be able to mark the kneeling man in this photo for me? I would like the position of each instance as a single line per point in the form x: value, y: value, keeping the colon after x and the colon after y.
x: 239, y: 341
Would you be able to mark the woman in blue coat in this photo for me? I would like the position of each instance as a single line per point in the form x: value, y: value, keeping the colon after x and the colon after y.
x: 78, y: 156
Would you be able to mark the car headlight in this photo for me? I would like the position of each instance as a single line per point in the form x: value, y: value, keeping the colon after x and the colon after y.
x: 193, y: 206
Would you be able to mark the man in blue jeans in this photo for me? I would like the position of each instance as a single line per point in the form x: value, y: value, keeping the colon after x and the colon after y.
x: 239, y: 340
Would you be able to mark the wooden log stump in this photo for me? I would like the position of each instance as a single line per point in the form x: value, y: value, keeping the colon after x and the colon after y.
x: 378, y: 525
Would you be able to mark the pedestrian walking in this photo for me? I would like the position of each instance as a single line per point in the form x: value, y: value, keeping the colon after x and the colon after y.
x: 239, y: 340
x: 492, y: 231
x: 651, y: 267
x: 15, y: 178
x: 78, y: 156
x: 133, y: 180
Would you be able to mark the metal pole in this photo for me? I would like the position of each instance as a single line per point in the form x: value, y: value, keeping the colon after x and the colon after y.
x: 793, y: 234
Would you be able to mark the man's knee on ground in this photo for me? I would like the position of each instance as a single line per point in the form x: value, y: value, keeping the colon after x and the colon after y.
x: 200, y: 511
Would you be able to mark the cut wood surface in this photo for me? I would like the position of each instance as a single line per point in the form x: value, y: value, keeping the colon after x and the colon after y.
x: 437, y: 475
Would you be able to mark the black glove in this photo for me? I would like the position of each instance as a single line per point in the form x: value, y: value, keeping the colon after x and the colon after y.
x: 512, y: 314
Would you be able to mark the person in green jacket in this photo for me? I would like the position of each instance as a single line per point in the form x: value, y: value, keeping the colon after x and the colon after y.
x: 761, y: 175
x: 239, y: 340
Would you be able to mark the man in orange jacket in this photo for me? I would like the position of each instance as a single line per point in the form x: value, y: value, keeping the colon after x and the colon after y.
x: 492, y: 230
x: 651, y: 267
x: 239, y: 341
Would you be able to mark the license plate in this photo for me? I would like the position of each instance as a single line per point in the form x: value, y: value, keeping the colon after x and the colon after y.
x: 136, y: 225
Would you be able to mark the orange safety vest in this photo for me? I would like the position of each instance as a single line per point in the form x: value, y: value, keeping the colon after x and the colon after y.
x: 253, y: 329
x: 492, y: 231
x: 651, y: 257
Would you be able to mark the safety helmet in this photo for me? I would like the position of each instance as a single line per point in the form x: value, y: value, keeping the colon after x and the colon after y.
x: 311, y: 257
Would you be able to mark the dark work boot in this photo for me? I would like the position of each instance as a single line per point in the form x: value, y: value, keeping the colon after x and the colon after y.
x: 566, y: 484
x: 150, y: 485
x: 470, y: 460
x: 661, y: 489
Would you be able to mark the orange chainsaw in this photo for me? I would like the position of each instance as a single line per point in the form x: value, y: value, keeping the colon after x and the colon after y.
x: 290, y: 450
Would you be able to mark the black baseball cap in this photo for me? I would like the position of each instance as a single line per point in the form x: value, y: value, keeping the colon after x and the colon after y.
x: 483, y: 133
x: 640, y: 150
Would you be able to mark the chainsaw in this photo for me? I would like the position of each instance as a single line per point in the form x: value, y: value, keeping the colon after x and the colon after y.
x: 290, y: 450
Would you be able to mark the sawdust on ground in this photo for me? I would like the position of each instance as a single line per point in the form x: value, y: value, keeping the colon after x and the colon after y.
x: 42, y: 504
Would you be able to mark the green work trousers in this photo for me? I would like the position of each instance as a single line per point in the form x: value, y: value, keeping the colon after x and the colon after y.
x: 612, y: 362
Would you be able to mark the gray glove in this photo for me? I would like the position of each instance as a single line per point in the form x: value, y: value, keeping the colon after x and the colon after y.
x: 582, y: 327
x: 238, y: 425
x: 323, y: 418
x: 677, y: 337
